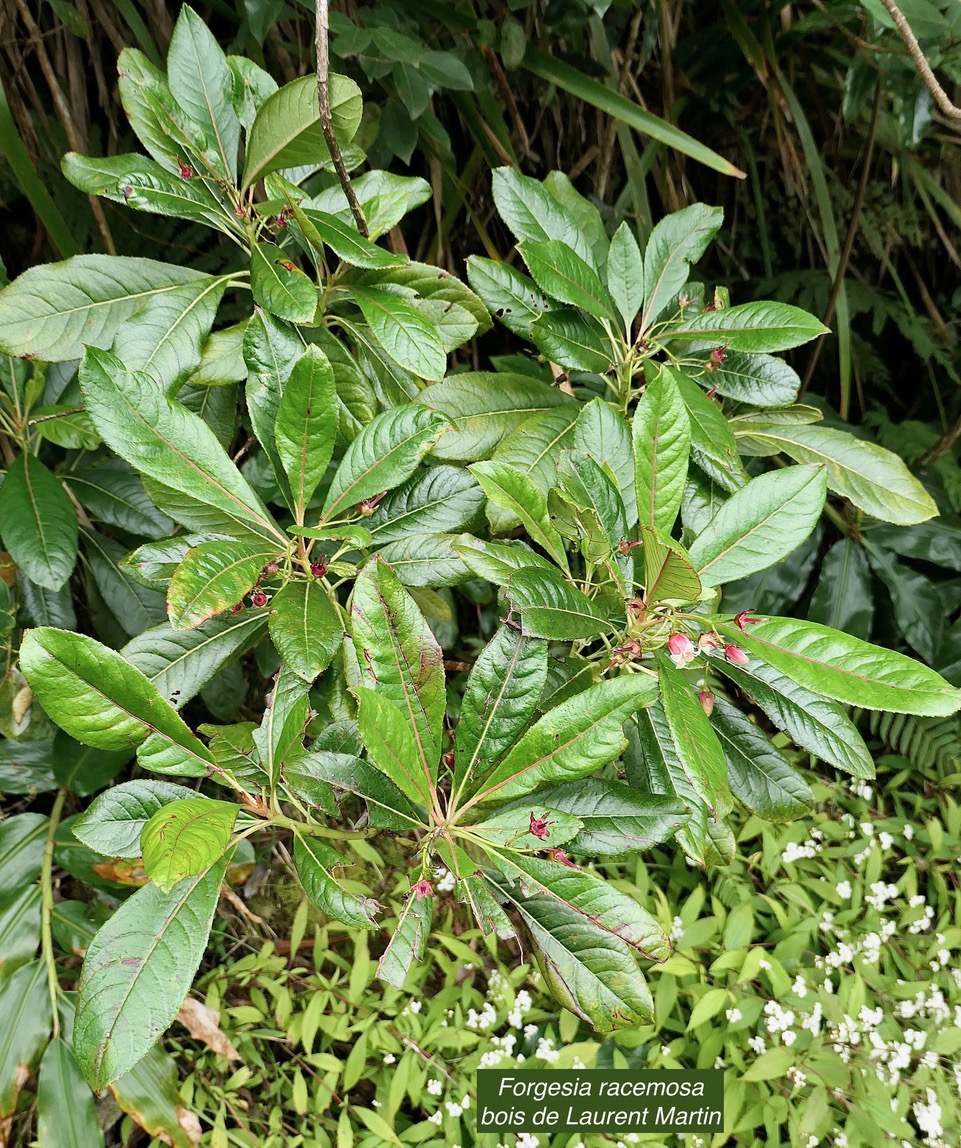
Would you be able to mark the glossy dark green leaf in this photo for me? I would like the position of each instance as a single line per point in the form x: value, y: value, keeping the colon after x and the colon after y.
x: 761, y: 380
x: 85, y: 770
x: 662, y: 443
x: 669, y: 574
x: 406, y: 335
x: 287, y: 130
x: 499, y: 700
x: 426, y: 560
x: 52, y: 312
x: 532, y: 213
x: 572, y: 740
x: 203, y: 85
x: 305, y: 627
x: 306, y: 426
x: 547, y: 605
x: 384, y: 454
x: 22, y: 840
x: 816, y: 724
x: 591, y: 972
x: 839, y: 666
x: 760, y: 524
x: 214, y: 577
x: 102, y: 700
x: 169, y: 443
x: 614, y: 818
x: 572, y: 340
x: 137, y: 972
x: 112, y: 492
x: 483, y: 407
x: 509, y: 488
x: 676, y: 242
x: 757, y: 328
x: 20, y: 929
x: 25, y: 1023
x: 313, y: 860
x: 625, y: 274
x: 917, y: 605
x: 346, y: 241
x: 134, y: 606
x: 438, y: 500
x: 759, y: 774
x: 387, y: 806
x: 509, y: 295
x: 535, y: 447
x: 498, y: 561
x: 564, y: 275
x: 713, y: 446
x: 39, y: 522
x: 279, y: 286
x: 843, y: 598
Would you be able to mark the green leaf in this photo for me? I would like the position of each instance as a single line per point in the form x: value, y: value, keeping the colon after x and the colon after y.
x: 53, y: 311
x: 625, y: 274
x: 66, y: 1108
x: 101, y: 700
x: 165, y: 338
x: 604, y: 434
x: 770, y: 1065
x: 597, y: 505
x: 22, y: 840
x: 408, y: 942
x: 511, y: 828
x: 512, y: 490
x: 169, y: 443
x: 669, y: 574
x: 406, y: 335
x: 281, y: 731
x: 534, y: 448
x: 916, y: 600
x: 761, y: 380
x: 305, y: 627
x: 839, y: 666
x: 577, y: 892
x: 497, y: 561
x: 142, y: 184
x: 573, y: 341
x: 134, y: 606
x: 222, y: 358
x: 873, y: 478
x: 287, y: 131
x: 382, y: 456
x: 113, y: 822
x: 533, y: 214
x: 590, y: 972
x: 572, y: 740
x: 713, y: 446
x: 426, y: 560
x: 181, y: 662
x: 39, y: 522
x: 203, y: 85
x: 313, y: 861
x: 548, y: 606
x: 82, y: 769
x: 345, y: 241
x: 213, y: 577
x: 507, y: 293
x: 499, y: 700
x: 279, y: 286
x: 387, y: 806
x: 25, y: 1021
x: 814, y: 723
x: 137, y: 972
x: 676, y: 242
x: 662, y: 443
x: 759, y: 774
x: 483, y: 407
x: 760, y: 524
x: 307, y: 424
x: 184, y: 838
x: 843, y: 598
x: 615, y: 819
x: 695, y: 747
x: 757, y: 328
x: 111, y: 492
x: 564, y: 275
x: 437, y: 500
x: 400, y: 658
x: 20, y: 929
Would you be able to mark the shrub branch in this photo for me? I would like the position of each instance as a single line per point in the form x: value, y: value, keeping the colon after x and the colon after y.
x: 941, y: 97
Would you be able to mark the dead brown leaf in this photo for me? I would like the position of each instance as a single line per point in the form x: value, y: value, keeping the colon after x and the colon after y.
x: 203, y: 1024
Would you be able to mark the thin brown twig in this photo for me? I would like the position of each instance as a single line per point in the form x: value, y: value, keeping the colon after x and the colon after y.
x: 941, y: 98
x: 326, y: 119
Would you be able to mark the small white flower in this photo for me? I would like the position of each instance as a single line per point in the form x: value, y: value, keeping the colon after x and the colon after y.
x: 733, y: 1015
x: 435, y: 1087
x: 390, y: 1058
x: 844, y: 890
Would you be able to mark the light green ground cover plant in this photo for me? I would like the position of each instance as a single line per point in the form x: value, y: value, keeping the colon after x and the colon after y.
x: 609, y: 488
x: 819, y: 971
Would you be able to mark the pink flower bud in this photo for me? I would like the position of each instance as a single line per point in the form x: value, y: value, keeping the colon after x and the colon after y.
x: 736, y: 655
x: 744, y: 619
x: 561, y: 857
x: 539, y: 827
x: 318, y: 568
x: 681, y: 649
x: 259, y: 598
x: 707, y: 642
x: 423, y: 889
x: 706, y: 699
